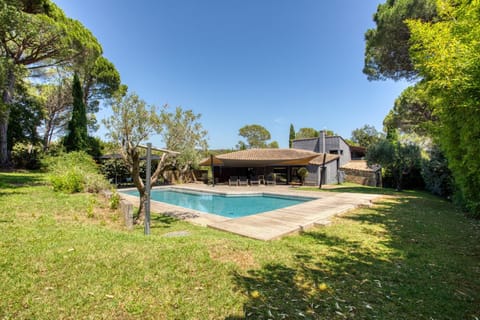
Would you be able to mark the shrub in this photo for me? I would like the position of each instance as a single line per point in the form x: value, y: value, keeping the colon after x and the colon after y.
x: 114, y: 201
x: 26, y: 156
x: 74, y: 172
x: 302, y: 173
x: 438, y: 178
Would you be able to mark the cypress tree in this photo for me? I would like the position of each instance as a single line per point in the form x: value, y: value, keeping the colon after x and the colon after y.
x: 292, y: 136
x: 77, y: 135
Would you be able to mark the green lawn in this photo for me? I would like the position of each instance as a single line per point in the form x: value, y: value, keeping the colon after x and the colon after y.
x: 411, y: 256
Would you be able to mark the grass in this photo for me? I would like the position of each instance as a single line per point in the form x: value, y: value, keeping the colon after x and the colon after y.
x: 355, y: 188
x: 411, y: 256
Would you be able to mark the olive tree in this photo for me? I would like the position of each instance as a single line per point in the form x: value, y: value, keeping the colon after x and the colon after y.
x: 132, y: 124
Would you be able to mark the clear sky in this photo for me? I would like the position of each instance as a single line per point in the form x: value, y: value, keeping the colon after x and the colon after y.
x: 239, y: 62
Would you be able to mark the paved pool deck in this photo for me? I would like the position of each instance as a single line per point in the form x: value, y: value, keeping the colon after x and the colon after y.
x: 272, y: 224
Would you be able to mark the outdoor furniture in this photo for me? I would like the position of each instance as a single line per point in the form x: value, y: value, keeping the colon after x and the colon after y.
x: 271, y: 180
x: 243, y: 181
x: 254, y: 180
x: 261, y: 179
x: 233, y: 181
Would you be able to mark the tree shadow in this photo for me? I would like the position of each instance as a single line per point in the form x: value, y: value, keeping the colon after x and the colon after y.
x: 8, y: 181
x: 162, y: 221
x: 408, y: 273
x: 10, y: 184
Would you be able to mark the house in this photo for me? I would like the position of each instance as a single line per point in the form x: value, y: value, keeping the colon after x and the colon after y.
x: 328, y: 159
x: 352, y: 167
x: 280, y: 163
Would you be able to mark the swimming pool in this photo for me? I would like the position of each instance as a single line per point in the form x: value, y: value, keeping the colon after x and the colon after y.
x: 231, y: 206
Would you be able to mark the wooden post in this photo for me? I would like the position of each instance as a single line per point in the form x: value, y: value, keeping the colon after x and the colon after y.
x: 323, y: 170
x: 213, y: 170
x: 127, y: 210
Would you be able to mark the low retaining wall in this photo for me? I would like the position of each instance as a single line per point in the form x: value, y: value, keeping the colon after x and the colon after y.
x: 366, y: 178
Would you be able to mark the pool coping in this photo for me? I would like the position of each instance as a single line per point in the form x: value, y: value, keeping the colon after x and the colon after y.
x: 267, y: 225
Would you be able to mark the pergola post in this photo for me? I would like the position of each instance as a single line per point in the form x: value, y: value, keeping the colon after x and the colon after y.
x: 148, y: 187
x: 213, y: 170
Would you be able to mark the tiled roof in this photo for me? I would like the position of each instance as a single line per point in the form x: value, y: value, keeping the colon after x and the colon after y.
x: 267, y: 154
x: 319, y: 159
x: 359, y: 165
x: 270, y: 157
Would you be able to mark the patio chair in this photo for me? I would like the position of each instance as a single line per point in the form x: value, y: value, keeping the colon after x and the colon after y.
x: 243, y: 181
x: 254, y: 180
x: 233, y: 181
x: 261, y: 179
x: 270, y: 180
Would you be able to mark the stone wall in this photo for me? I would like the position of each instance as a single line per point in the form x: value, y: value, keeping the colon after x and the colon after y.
x: 366, y: 178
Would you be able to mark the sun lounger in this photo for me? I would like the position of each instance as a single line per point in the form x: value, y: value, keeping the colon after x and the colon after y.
x: 233, y: 181
x: 243, y: 181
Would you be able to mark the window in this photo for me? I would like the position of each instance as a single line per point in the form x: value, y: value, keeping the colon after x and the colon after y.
x: 340, y: 152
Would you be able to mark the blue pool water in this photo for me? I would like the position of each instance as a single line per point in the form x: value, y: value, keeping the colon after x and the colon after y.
x: 231, y: 206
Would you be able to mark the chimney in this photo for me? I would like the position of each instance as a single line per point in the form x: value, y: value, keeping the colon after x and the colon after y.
x: 322, y: 134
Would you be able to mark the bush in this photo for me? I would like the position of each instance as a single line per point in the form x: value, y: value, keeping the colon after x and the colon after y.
x: 74, y: 172
x: 25, y: 156
x: 114, y: 202
x: 302, y: 173
x: 438, y: 178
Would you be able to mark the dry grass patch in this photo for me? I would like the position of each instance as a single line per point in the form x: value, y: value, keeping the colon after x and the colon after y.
x: 224, y: 252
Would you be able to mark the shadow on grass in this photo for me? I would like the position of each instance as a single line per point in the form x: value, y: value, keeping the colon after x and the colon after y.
x: 161, y: 221
x: 359, y: 189
x: 17, y: 180
x: 418, y: 264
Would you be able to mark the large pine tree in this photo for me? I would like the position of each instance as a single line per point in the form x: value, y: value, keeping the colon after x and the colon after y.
x: 77, y: 136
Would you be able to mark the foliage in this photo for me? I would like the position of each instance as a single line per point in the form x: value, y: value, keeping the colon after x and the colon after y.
x: 57, y: 101
x: 302, y: 173
x: 273, y: 145
x: 34, y: 35
x: 410, y: 256
x: 291, y: 136
x: 401, y: 159
x: 115, y: 170
x: 26, y: 156
x: 306, y: 133
x: 412, y: 112
x: 100, y: 81
x: 387, y: 46
x: 446, y: 54
x: 183, y: 132
x: 256, y: 136
x: 74, y: 172
x: 366, y: 136
x: 77, y: 137
x: 133, y: 122
x: 114, y: 201
x: 436, y: 174
x: 25, y: 117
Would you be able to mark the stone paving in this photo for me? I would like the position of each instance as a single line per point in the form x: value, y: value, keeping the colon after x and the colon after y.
x: 272, y: 224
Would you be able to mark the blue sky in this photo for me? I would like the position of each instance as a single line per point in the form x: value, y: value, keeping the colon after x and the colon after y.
x: 239, y: 62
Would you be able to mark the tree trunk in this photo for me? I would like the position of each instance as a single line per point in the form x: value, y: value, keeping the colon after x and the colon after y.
x: 137, y: 181
x: 4, y: 157
x: 399, y: 180
x: 7, y: 98
x: 141, y: 207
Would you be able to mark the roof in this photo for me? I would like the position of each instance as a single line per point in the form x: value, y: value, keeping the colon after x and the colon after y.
x: 360, y: 165
x: 358, y: 149
x: 268, y: 157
